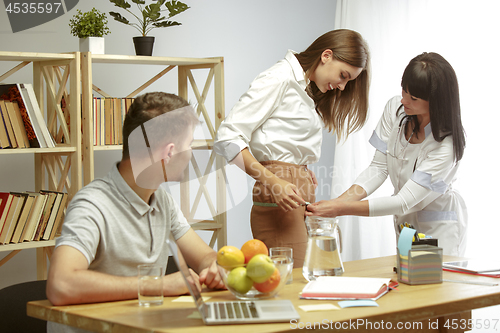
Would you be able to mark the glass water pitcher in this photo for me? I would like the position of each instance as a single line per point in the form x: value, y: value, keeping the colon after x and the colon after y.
x: 324, y: 245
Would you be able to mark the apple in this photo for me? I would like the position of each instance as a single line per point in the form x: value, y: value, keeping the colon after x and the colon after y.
x: 238, y: 280
x: 260, y: 268
x: 270, y: 284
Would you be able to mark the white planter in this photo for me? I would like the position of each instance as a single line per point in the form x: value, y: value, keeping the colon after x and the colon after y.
x: 92, y: 44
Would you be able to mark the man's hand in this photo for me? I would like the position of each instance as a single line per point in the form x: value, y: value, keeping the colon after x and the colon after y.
x: 211, y: 278
x: 174, y: 284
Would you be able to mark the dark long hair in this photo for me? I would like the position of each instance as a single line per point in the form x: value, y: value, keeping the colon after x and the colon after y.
x: 430, y: 77
x: 341, y: 111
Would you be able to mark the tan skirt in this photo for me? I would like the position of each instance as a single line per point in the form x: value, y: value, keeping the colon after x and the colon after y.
x: 270, y: 223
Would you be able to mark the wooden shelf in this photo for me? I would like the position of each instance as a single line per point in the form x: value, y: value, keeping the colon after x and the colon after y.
x: 197, y: 144
x: 108, y: 147
x: 55, y: 76
x: 185, y: 79
x: 56, y: 150
x: 147, y: 60
x: 77, y: 169
x: 34, y: 57
x: 27, y: 245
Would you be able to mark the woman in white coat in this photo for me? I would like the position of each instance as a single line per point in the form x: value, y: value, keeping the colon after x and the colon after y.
x: 419, y: 143
x: 275, y: 130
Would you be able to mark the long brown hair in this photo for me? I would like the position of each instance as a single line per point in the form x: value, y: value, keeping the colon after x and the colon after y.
x: 343, y: 112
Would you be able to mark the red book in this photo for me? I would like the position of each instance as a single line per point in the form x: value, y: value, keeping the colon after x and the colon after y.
x: 6, y: 200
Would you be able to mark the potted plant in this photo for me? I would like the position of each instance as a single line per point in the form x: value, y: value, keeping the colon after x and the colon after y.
x: 90, y: 27
x: 151, y: 16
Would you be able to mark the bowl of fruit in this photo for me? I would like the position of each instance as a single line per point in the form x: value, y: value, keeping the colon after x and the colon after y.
x: 250, y: 273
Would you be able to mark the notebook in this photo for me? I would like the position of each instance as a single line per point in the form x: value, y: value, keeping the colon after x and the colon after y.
x: 233, y: 312
x: 474, y: 266
x: 339, y: 287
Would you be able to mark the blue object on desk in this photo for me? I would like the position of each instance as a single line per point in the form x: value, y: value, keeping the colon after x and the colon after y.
x: 405, y: 240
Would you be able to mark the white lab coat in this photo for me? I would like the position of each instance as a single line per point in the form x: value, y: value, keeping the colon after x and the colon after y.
x: 422, y: 176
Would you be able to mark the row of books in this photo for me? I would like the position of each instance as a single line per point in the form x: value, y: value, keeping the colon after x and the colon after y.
x: 31, y: 216
x: 21, y: 122
x: 109, y: 114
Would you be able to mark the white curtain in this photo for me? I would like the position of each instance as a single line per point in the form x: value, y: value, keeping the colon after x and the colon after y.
x: 466, y: 34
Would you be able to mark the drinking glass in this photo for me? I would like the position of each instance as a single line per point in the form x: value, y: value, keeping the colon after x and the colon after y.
x: 285, y: 252
x: 150, y: 284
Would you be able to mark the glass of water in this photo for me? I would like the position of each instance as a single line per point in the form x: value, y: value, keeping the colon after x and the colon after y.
x: 287, y: 254
x: 150, y: 284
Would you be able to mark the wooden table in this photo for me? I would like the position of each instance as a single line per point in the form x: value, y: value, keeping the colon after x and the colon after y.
x: 409, y: 308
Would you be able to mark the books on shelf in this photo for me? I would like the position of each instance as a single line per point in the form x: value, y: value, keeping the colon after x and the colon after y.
x: 4, y: 137
x: 340, y: 287
x: 22, y: 118
x: 42, y: 224
x: 23, y: 217
x: 31, y: 216
x: 18, y: 132
x: 109, y: 114
x: 35, y: 216
x: 12, y: 218
x: 56, y: 228
x: 52, y: 217
x: 4, y: 208
x: 10, y: 140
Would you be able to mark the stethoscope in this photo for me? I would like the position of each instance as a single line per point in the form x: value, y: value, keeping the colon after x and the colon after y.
x: 400, y: 156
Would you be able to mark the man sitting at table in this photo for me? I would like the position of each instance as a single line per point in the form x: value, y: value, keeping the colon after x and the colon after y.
x: 124, y: 219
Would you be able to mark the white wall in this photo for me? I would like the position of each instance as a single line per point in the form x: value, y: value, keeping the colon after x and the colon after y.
x: 250, y: 35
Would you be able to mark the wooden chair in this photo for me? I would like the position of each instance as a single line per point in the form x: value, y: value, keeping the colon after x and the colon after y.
x: 13, y: 301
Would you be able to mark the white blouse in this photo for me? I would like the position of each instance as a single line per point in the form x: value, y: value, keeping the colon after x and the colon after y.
x: 275, y: 118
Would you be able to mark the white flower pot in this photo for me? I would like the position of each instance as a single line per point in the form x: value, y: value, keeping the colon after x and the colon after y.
x: 92, y: 44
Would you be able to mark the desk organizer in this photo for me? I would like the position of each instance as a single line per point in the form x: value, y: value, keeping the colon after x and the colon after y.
x: 422, y: 265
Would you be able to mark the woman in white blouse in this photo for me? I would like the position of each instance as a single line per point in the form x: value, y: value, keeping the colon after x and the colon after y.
x: 419, y: 143
x: 275, y: 130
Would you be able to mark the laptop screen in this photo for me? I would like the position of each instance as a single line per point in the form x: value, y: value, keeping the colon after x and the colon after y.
x: 184, y: 270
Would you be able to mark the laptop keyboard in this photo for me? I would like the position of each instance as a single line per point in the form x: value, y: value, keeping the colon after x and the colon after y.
x: 234, y: 310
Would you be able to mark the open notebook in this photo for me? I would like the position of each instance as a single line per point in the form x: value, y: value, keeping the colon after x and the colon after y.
x: 478, y: 266
x: 343, y: 287
x: 233, y: 312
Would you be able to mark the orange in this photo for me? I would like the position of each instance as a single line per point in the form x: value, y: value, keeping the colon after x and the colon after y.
x: 253, y: 247
x: 230, y: 256
x: 270, y: 284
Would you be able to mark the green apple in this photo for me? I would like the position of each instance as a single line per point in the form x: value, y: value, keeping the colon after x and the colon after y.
x: 238, y: 280
x: 260, y: 268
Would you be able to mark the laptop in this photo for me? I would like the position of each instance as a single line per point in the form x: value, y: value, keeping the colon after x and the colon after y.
x: 233, y: 312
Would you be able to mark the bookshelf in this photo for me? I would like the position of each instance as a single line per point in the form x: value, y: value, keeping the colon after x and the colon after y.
x: 187, y: 88
x: 56, y: 76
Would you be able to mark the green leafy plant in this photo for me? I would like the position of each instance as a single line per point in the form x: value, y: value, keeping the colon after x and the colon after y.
x: 89, y: 24
x: 151, y: 16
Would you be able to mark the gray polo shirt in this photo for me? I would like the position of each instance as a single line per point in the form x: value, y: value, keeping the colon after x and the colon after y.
x: 116, y: 230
